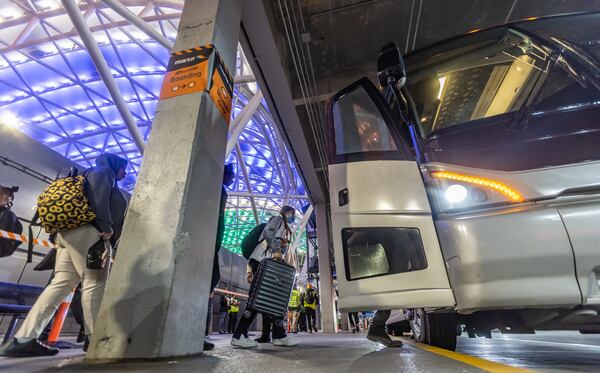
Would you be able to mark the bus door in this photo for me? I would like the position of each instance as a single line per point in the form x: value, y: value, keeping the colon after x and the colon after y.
x: 386, y: 249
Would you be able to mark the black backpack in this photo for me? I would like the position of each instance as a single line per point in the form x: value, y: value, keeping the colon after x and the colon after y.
x: 310, y: 297
x: 8, y: 246
x: 251, y: 240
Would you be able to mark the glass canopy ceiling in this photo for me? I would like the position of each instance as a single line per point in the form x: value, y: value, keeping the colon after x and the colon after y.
x: 50, y: 89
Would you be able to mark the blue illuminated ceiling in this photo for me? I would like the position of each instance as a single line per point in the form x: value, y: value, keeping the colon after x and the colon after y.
x: 50, y: 89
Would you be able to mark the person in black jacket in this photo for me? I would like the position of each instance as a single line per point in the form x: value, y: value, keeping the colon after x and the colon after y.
x: 228, y: 178
x: 109, y: 204
x: 8, y: 220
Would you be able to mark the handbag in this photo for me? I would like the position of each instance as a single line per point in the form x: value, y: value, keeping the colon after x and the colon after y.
x: 47, y: 262
x: 99, y: 255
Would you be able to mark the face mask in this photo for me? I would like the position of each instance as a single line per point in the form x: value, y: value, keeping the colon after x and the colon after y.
x: 290, y: 219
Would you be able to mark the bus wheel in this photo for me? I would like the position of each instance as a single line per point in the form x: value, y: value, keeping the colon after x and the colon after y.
x: 435, y: 329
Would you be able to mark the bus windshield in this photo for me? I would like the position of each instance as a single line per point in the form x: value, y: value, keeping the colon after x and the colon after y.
x: 491, y: 79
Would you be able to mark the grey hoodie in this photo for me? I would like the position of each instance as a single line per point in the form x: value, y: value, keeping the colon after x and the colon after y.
x: 106, y: 199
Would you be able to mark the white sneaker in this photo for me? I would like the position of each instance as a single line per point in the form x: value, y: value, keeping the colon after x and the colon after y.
x: 243, y: 342
x: 285, y: 342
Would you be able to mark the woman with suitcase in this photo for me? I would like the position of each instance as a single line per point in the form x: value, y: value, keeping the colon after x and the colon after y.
x: 273, y: 244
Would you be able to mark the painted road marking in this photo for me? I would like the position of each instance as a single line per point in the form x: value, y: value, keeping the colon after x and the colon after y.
x: 488, y: 366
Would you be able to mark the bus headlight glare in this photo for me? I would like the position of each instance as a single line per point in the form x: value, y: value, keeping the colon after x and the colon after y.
x: 456, y: 193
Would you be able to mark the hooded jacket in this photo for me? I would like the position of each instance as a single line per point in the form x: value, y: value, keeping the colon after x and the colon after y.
x: 106, y: 199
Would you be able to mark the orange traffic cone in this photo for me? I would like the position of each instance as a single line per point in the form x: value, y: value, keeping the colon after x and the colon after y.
x: 59, y: 320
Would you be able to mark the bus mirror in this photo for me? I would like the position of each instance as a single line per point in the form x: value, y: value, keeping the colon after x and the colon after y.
x: 390, y: 66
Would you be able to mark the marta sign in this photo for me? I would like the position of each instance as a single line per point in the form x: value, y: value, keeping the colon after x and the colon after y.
x: 189, y: 71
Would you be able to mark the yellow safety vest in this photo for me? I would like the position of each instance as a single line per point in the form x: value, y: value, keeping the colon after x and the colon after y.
x: 294, y: 299
x: 234, y: 309
x: 312, y: 305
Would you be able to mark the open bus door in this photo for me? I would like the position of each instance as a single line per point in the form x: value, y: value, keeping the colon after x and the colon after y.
x: 386, y: 248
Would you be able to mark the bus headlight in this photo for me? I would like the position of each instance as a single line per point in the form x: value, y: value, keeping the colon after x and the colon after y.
x: 458, y: 191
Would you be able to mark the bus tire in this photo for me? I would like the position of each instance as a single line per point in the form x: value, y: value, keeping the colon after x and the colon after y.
x: 434, y: 329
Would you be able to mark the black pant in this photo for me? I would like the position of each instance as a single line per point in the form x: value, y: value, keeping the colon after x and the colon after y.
x: 216, y: 273
x: 353, y: 316
x: 302, y: 322
x: 380, y: 318
x: 208, y: 317
x: 270, y: 325
x: 233, y: 318
x: 311, y: 314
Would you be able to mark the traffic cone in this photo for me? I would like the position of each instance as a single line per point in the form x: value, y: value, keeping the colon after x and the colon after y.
x: 57, y: 324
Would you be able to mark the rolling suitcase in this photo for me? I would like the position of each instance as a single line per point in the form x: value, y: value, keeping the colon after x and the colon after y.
x: 271, y: 288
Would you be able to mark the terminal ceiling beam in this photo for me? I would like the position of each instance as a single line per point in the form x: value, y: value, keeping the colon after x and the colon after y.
x: 69, y: 34
x: 244, y: 79
x: 241, y: 120
x: 124, y: 12
x: 155, y: 305
x: 111, y: 85
x: 242, y: 164
x: 300, y: 229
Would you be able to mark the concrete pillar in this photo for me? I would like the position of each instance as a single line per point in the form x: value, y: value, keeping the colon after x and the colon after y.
x: 156, y: 300
x: 327, y: 295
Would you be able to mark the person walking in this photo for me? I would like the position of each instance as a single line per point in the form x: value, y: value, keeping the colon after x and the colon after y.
x: 354, y: 322
x: 228, y: 179
x: 8, y: 220
x: 273, y: 244
x: 294, y: 311
x: 302, y: 324
x: 223, y: 311
x: 234, y: 309
x: 311, y: 299
x: 109, y: 205
x: 377, y: 332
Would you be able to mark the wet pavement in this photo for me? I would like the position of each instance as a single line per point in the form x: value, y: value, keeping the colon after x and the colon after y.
x: 541, y: 352
x: 344, y: 352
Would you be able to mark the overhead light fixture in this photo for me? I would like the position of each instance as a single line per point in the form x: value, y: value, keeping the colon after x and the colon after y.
x: 11, y: 13
x: 43, y: 5
x: 10, y: 119
x: 442, y: 81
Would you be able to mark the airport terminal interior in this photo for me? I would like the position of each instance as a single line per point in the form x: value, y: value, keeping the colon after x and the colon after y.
x: 300, y: 185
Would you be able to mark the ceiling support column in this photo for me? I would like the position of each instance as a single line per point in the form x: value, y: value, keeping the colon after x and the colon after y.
x: 155, y: 305
x: 326, y: 290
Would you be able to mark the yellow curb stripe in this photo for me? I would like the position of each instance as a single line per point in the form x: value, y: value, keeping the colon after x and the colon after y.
x: 488, y: 366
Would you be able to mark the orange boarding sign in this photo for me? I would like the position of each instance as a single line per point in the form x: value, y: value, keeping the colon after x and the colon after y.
x: 187, y: 72
x: 221, y: 90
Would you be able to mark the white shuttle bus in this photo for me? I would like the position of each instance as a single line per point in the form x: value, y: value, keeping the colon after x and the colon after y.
x: 466, y: 188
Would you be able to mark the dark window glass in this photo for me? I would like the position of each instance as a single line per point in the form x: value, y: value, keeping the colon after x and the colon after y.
x: 372, y: 252
x: 564, y: 90
x: 579, y: 30
x: 359, y: 126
